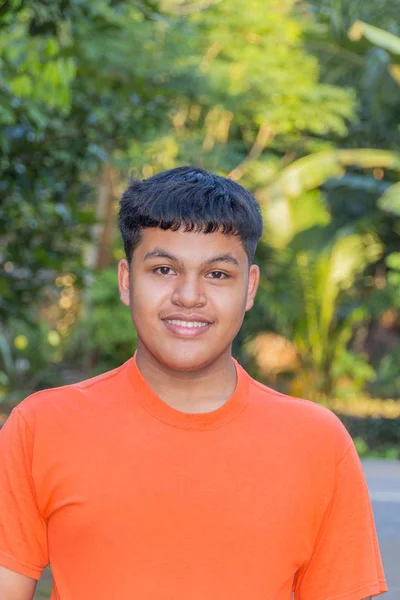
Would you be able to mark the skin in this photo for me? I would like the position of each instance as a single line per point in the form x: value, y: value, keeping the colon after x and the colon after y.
x: 185, y: 281
x: 172, y: 363
x: 14, y: 586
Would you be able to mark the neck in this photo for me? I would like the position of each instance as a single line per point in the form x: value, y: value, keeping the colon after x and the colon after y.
x: 199, y: 391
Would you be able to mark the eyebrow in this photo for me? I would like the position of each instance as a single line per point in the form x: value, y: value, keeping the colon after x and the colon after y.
x: 160, y: 253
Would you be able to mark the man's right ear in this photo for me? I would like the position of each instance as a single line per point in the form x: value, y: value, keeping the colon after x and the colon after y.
x: 123, y: 281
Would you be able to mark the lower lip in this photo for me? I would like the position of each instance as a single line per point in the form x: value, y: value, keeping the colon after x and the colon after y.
x: 186, y: 332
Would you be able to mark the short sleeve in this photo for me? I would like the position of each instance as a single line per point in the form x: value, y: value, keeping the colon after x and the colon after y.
x: 23, y: 534
x: 345, y: 563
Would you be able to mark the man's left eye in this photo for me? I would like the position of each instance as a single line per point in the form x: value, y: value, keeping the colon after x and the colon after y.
x: 218, y: 275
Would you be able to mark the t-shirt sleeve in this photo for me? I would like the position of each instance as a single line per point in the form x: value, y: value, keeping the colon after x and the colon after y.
x: 345, y: 563
x: 23, y: 534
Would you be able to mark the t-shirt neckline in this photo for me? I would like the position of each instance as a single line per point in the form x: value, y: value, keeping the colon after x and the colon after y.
x: 162, y: 411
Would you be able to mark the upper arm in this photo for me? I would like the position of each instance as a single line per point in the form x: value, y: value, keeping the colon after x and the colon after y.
x: 14, y: 586
x: 23, y: 529
x: 345, y: 557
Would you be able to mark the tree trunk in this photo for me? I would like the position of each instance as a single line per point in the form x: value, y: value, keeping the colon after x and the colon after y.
x: 98, y: 254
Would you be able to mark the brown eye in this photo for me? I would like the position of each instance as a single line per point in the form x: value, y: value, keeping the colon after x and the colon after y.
x: 219, y: 275
x: 163, y: 270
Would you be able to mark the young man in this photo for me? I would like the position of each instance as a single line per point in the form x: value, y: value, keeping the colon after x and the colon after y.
x: 177, y: 476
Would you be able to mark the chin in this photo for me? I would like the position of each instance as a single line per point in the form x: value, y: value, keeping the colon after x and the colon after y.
x: 185, y: 363
x: 185, y: 360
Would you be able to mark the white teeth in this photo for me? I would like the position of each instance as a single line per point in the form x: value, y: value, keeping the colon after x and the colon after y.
x: 188, y: 324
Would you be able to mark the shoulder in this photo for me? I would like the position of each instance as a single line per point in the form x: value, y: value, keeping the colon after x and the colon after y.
x: 290, y: 406
x: 72, y: 399
x: 307, y: 424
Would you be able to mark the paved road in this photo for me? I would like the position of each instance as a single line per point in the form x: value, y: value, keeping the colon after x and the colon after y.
x: 383, y: 478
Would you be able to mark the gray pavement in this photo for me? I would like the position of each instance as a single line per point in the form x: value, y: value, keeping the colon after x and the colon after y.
x: 383, y: 478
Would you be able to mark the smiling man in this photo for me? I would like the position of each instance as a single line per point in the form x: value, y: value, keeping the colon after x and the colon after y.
x: 178, y: 476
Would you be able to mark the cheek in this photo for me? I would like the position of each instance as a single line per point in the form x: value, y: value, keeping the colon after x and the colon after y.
x: 230, y: 302
x: 146, y: 297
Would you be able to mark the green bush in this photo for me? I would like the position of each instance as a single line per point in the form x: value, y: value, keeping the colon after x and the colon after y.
x: 104, y: 336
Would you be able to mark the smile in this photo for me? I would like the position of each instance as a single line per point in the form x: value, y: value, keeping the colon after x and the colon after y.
x: 186, y: 329
x: 189, y: 324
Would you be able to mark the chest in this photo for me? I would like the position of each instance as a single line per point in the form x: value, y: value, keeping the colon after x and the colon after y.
x: 188, y: 505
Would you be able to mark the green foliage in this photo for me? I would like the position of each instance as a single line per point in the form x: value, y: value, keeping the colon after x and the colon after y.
x: 378, y: 37
x: 393, y: 263
x: 59, y: 128
x: 311, y: 171
x: 265, y: 95
x: 376, y: 437
x: 244, y: 100
x: 161, y: 91
x: 365, y: 451
x: 350, y: 373
x: 104, y: 334
x: 29, y: 359
x: 390, y: 200
x: 313, y: 272
x: 367, y: 69
x: 387, y: 382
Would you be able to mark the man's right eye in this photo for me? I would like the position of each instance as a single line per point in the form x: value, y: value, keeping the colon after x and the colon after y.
x: 162, y: 270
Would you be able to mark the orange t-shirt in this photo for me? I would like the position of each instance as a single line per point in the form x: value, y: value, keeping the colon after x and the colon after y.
x: 128, y: 497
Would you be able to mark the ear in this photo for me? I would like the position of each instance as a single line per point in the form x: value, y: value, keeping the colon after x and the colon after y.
x: 123, y: 281
x: 252, y: 285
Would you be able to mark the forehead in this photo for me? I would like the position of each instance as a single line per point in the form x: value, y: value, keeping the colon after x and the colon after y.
x: 190, y: 246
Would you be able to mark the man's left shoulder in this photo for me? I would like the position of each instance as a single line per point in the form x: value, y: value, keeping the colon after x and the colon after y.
x: 304, y: 420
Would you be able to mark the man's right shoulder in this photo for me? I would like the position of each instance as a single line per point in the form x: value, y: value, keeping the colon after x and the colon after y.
x: 74, y: 397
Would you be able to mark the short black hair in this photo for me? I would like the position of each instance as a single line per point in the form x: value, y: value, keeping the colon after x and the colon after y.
x: 191, y: 198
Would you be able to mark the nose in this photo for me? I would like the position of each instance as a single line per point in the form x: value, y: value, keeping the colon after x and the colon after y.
x: 188, y: 292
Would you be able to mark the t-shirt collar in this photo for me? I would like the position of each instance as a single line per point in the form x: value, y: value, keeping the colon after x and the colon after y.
x: 159, y: 409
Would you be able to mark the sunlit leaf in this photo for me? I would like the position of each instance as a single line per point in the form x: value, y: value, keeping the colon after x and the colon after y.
x: 375, y: 35
x: 390, y: 199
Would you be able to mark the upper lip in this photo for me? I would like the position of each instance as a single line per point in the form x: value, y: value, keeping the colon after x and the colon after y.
x: 189, y: 318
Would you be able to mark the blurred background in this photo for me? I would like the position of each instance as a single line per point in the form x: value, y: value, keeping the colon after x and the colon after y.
x: 298, y: 101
